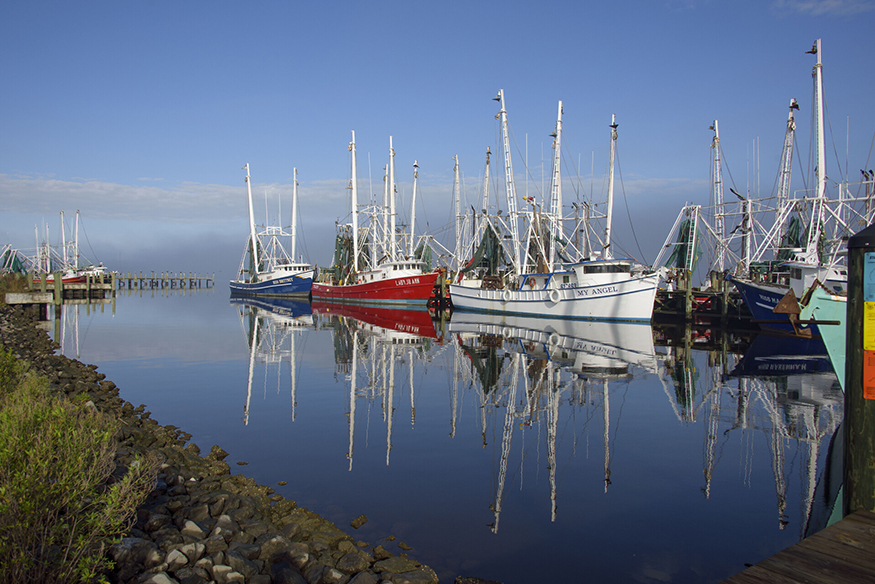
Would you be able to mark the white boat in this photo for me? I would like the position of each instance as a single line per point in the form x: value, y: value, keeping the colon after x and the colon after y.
x: 272, y: 272
x: 599, y: 287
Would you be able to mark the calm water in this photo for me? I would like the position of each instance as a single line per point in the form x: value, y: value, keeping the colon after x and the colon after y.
x: 516, y: 451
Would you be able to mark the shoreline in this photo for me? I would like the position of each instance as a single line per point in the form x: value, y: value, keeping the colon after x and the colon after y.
x: 200, y: 523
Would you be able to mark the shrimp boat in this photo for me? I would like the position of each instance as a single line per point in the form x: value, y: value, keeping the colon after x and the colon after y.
x: 598, y: 287
x: 272, y: 272
x: 393, y: 278
x: 770, y: 303
x: 66, y: 262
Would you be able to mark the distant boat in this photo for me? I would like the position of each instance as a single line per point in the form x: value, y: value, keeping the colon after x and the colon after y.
x: 594, y: 288
x: 397, y: 279
x: 271, y: 272
x: 48, y: 260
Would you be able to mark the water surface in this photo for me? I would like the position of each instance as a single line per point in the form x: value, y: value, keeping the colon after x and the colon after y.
x: 511, y: 450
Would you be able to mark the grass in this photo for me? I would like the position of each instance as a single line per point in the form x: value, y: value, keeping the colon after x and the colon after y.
x: 62, y: 500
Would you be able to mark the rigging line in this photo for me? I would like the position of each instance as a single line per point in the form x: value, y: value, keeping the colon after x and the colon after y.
x: 626, y: 202
x: 94, y: 254
x: 831, y: 133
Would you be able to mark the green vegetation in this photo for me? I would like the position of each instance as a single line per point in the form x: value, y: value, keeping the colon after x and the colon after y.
x: 62, y: 500
x: 12, y: 282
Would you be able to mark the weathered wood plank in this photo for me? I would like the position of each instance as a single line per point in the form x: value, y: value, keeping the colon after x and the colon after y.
x: 841, y: 553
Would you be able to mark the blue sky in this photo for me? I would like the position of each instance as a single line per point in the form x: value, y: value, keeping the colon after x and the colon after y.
x: 141, y: 115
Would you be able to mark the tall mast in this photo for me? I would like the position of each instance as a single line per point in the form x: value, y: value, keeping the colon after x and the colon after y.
x: 353, y: 186
x: 294, y: 210
x: 556, y: 190
x: 64, y: 241
x: 719, y: 224
x: 786, y: 172
x: 252, y: 238
x: 76, y: 243
x: 820, y: 170
x: 391, y: 201
x: 510, y: 189
x: 457, y: 200
x: 413, y: 205
x: 607, y: 252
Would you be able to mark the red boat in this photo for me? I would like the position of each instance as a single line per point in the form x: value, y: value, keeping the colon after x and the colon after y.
x: 412, y: 321
x: 400, y: 282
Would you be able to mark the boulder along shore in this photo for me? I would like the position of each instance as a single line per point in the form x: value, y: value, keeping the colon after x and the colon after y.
x: 201, y: 524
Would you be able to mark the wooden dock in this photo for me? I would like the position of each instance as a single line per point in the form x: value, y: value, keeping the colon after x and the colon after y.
x: 164, y: 280
x: 841, y: 553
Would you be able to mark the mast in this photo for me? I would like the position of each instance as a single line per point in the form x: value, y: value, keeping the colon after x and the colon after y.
x: 294, y: 210
x: 457, y: 200
x: 786, y: 172
x: 556, y: 190
x: 610, y: 211
x: 815, y: 229
x: 252, y: 238
x: 76, y: 243
x: 719, y: 225
x: 510, y: 189
x: 413, y: 205
x: 353, y: 185
x: 64, y: 241
x: 391, y: 201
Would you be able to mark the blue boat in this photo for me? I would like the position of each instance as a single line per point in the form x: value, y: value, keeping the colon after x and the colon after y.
x: 272, y: 271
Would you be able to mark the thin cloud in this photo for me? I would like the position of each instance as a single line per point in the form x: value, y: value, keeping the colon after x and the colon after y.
x: 825, y: 7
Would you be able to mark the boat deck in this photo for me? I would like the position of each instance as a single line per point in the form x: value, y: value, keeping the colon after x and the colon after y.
x: 843, y: 552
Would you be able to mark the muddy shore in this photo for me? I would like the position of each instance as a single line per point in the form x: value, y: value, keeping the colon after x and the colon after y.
x: 200, y: 523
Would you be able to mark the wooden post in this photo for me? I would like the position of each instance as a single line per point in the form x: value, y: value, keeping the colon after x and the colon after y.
x: 59, y: 290
x: 859, y: 415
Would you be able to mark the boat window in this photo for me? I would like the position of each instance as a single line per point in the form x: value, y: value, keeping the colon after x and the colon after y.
x: 606, y: 269
x: 796, y: 273
x: 564, y: 279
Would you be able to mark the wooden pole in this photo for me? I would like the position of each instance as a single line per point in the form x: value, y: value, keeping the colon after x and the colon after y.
x: 859, y: 415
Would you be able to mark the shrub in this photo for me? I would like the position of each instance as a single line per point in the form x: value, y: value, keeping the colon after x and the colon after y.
x: 59, y: 507
x: 11, y: 282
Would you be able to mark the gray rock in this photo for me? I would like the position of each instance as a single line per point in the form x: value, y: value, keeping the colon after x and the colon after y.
x: 193, y: 551
x: 313, y: 573
x: 155, y: 522
x: 241, y: 564
x: 284, y: 573
x: 273, y: 545
x: 354, y: 562
x: 176, y: 560
x: 159, y: 578
x: 247, y: 550
x: 131, y: 550
x: 154, y: 558
x: 358, y: 521
x: 333, y: 576
x: 420, y: 576
x: 215, y: 544
x: 395, y: 565
x: 198, y: 513
x: 364, y: 578
x: 192, y: 529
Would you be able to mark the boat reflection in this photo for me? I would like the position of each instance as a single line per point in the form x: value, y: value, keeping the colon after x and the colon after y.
x: 372, y: 343
x: 271, y: 325
x: 793, y: 379
x: 557, y: 360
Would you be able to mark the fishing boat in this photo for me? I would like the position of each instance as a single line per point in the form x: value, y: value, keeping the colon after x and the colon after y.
x: 386, y: 276
x: 831, y: 311
x: 808, y: 264
x: 271, y: 271
x: 50, y: 261
x: 597, y: 287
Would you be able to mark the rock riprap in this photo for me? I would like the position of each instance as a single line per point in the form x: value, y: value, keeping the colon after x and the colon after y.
x: 201, y: 524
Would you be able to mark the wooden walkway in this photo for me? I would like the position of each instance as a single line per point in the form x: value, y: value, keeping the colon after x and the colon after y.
x: 843, y: 552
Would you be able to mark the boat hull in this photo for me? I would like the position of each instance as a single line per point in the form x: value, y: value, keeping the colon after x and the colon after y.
x: 291, y: 285
x: 761, y: 299
x: 406, y: 290
x: 629, y: 300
